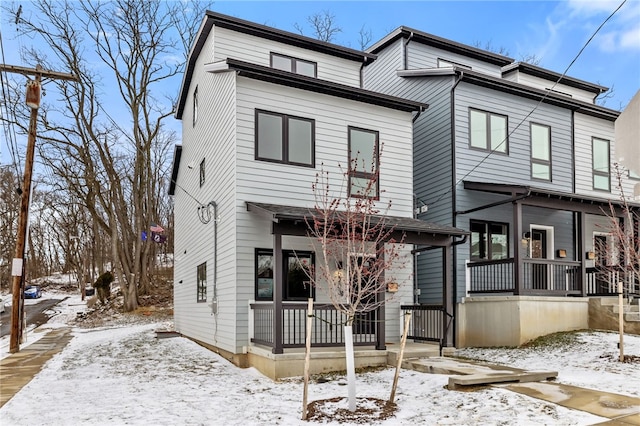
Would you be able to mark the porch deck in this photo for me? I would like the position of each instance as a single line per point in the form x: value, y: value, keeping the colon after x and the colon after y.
x: 328, y: 359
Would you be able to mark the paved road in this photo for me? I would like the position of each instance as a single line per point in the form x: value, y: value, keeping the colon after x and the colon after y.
x: 35, y: 314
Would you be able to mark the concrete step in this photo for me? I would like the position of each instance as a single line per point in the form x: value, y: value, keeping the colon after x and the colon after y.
x: 456, y: 382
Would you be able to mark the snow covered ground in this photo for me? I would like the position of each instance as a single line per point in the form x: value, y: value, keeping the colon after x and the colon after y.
x: 125, y: 375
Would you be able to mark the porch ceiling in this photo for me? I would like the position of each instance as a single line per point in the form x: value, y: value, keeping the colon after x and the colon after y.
x: 546, y: 198
x: 291, y: 220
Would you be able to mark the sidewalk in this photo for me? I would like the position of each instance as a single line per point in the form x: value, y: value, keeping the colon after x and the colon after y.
x: 16, y: 370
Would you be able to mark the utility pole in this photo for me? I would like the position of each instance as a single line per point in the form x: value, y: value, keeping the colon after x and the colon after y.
x: 18, y: 266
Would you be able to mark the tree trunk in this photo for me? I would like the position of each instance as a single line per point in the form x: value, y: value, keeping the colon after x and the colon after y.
x: 351, y: 369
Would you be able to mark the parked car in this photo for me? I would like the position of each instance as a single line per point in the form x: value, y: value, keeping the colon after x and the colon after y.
x: 89, y: 291
x: 32, y: 292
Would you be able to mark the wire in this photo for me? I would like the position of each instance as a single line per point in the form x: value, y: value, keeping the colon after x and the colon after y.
x: 536, y: 107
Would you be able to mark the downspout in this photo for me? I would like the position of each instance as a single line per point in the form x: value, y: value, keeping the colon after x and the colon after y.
x: 405, y: 53
x: 415, y: 216
x: 454, y: 254
x: 362, y: 73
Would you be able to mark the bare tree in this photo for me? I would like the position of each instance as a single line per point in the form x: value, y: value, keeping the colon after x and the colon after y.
x: 323, y: 25
x: 358, y: 254
x: 113, y: 156
x: 620, y: 267
x: 364, y: 37
x: 9, y: 211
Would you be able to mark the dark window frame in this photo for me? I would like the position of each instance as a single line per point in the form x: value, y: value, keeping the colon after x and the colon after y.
x: 285, y: 138
x: 360, y: 174
x: 488, y: 115
x: 489, y: 247
x: 286, y: 255
x: 202, y: 172
x: 594, y: 171
x: 201, y: 280
x: 540, y: 161
x: 195, y: 106
x: 294, y: 63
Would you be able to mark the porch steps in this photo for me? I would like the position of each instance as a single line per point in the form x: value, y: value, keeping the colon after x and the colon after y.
x: 469, y: 373
x: 631, y: 310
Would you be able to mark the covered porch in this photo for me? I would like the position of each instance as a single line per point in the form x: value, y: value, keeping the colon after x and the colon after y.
x: 551, y: 272
x: 278, y: 326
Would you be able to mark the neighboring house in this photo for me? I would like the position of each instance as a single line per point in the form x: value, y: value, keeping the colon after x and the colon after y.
x: 524, y: 164
x: 263, y: 111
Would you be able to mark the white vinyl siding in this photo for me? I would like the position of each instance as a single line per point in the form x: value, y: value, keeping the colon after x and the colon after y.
x: 245, y: 47
x: 212, y: 138
x: 423, y: 56
x: 543, y: 84
x: 587, y: 128
x: 290, y: 184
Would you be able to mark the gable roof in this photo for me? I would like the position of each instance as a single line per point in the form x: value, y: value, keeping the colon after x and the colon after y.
x: 441, y: 43
x: 518, y: 89
x: 553, y: 77
x: 263, y: 31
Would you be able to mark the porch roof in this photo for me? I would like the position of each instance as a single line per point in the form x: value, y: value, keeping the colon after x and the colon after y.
x: 548, y: 198
x: 414, y: 231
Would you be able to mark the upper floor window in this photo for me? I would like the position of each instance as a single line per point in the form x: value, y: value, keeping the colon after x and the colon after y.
x: 445, y: 63
x: 298, y: 265
x: 363, y: 163
x: 202, y: 282
x: 488, y: 131
x: 601, y: 168
x: 540, y: 152
x: 633, y: 175
x: 202, y: 172
x: 195, y: 105
x: 489, y: 240
x: 285, y: 139
x: 295, y: 65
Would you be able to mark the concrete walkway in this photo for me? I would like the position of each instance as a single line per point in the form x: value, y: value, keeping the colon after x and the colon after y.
x: 18, y: 369
x: 620, y: 409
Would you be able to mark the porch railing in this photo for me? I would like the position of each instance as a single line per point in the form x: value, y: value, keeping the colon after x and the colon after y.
x: 327, y: 326
x: 603, y: 282
x: 540, y: 276
x: 428, y: 322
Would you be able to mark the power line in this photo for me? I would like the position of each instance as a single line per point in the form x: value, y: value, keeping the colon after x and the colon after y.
x: 536, y: 107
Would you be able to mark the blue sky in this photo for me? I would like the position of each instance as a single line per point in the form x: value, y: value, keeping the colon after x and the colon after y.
x: 554, y: 31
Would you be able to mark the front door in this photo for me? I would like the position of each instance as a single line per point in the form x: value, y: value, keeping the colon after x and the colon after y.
x: 541, y: 248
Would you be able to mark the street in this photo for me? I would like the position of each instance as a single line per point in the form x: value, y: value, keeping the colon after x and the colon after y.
x: 35, y: 314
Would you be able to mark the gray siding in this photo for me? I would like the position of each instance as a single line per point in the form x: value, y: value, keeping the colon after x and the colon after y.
x: 514, y: 168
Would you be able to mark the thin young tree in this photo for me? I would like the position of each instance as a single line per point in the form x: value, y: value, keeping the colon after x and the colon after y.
x: 359, y: 253
x: 621, y: 268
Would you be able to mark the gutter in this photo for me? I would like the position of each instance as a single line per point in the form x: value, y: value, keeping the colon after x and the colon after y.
x: 497, y: 203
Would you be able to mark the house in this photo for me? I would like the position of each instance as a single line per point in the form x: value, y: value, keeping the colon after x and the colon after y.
x: 522, y: 158
x: 263, y: 111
